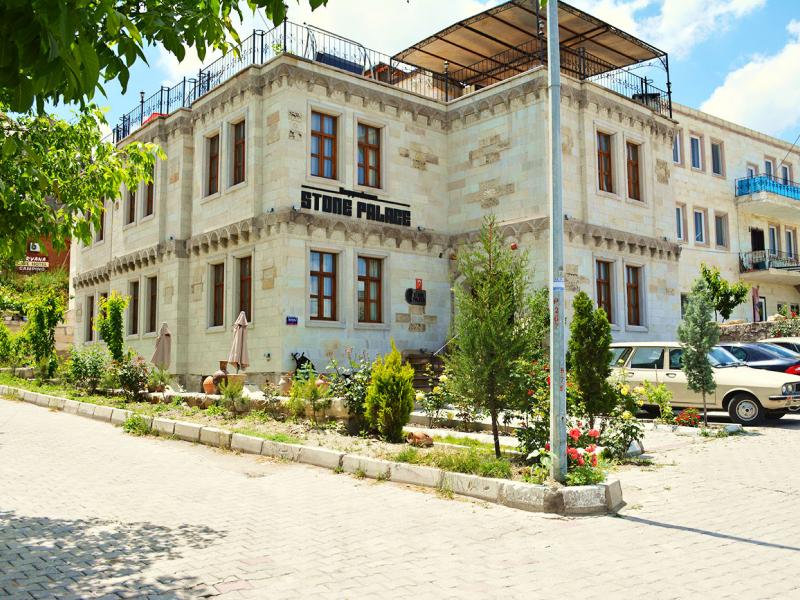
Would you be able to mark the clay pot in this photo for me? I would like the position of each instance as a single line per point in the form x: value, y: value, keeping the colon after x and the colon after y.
x: 285, y: 384
x: 209, y: 387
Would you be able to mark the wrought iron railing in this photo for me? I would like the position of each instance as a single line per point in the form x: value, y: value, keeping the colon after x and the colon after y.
x: 321, y: 46
x: 768, y: 183
x: 762, y: 260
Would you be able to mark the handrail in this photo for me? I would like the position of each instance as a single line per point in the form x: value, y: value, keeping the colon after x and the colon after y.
x: 767, y: 183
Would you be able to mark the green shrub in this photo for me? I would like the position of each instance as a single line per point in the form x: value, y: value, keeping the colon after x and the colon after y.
x: 585, y: 475
x: 158, y: 378
x: 136, y: 425
x: 306, y: 391
x: 6, y: 341
x: 215, y: 410
x: 133, y: 374
x: 233, y: 399
x: 88, y: 366
x: 660, y: 396
x: 390, y: 396
x: 351, y: 385
x: 44, y: 311
x: 110, y: 323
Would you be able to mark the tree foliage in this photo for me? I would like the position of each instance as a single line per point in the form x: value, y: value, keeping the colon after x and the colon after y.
x: 723, y: 295
x: 44, y: 313
x: 496, y: 325
x: 390, y: 395
x: 110, y: 323
x: 590, y: 356
x: 65, y: 51
x: 698, y: 334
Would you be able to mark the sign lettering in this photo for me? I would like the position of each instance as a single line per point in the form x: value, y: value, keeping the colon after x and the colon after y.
x: 332, y: 204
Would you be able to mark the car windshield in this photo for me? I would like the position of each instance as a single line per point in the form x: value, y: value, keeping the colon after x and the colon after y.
x: 619, y: 355
x: 781, y: 351
x: 721, y: 358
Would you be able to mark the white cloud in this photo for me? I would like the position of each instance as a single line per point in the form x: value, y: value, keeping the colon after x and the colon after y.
x: 764, y: 93
x: 678, y: 25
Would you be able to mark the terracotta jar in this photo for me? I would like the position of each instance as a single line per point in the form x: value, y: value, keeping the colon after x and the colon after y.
x: 209, y: 387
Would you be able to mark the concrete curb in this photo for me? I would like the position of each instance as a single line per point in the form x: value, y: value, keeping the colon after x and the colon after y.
x: 577, y: 500
x: 684, y: 430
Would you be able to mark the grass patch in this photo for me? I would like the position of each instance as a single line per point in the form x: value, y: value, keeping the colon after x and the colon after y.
x: 283, y: 438
x: 470, y: 461
x: 136, y: 425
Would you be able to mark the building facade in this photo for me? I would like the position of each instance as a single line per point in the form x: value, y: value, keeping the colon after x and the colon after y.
x: 329, y: 205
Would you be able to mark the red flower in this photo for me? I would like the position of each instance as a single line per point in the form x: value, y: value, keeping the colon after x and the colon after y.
x: 593, y: 433
x: 530, y: 392
x: 573, y: 453
x: 594, y: 460
x: 547, y: 445
x: 548, y: 380
x: 581, y: 462
x: 574, y: 433
x: 591, y: 448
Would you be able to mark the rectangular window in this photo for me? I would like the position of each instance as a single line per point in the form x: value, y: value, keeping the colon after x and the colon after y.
x: 768, y: 166
x: 150, y: 192
x: 696, y: 149
x: 89, y: 337
x: 634, y: 185
x: 699, y: 227
x: 323, y: 286
x: 323, y: 145
x: 369, y: 155
x: 213, y: 165
x: 789, y: 249
x: 101, y: 310
x: 133, y: 309
x: 680, y: 222
x: 773, y: 240
x: 752, y: 171
x: 604, y: 287
x: 762, y: 309
x: 676, y: 148
x: 370, y: 284
x: 218, y: 295
x: 246, y: 287
x: 786, y: 174
x: 716, y: 158
x: 633, y: 277
x: 606, y: 181
x: 721, y: 230
x: 101, y: 227
x: 152, y: 303
x: 130, y: 214
x: 238, y: 153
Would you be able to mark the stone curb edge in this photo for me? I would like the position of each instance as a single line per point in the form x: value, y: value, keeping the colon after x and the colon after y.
x: 576, y: 500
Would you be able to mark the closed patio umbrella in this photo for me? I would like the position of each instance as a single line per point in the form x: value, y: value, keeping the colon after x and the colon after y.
x: 163, y: 348
x: 238, y: 354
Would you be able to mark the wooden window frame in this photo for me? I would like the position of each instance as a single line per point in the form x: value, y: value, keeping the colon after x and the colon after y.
x: 368, y: 299
x: 320, y: 296
x: 721, y: 145
x: 89, y: 318
x: 150, y: 193
x: 212, y: 165
x: 245, y: 287
x: 152, y: 304
x: 726, y: 229
x: 602, y: 156
x: 606, y: 285
x: 130, y: 215
x: 633, y: 291
x: 133, y: 315
x: 634, y: 170
x: 217, y: 295
x: 239, y: 158
x: 363, y: 149
x: 321, y: 136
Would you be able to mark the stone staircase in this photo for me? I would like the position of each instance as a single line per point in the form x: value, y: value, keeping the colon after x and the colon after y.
x: 420, y: 360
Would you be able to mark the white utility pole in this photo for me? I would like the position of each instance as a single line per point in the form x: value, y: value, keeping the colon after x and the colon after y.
x: 558, y: 367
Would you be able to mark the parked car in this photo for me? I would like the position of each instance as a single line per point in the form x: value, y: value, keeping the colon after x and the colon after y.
x: 748, y: 395
x: 790, y: 343
x: 765, y: 356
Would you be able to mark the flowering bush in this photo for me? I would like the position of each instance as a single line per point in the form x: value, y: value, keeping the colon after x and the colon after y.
x: 688, y: 417
x: 351, y: 384
x: 435, y: 401
x: 620, y: 429
x: 583, y: 461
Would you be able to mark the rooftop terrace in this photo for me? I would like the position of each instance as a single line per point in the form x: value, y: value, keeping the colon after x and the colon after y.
x: 470, y: 55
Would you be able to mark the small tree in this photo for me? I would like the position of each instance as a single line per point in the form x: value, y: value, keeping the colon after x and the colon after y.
x: 44, y: 313
x: 590, y: 356
x: 723, y: 295
x: 698, y: 334
x: 390, y: 395
x: 496, y: 325
x: 110, y: 323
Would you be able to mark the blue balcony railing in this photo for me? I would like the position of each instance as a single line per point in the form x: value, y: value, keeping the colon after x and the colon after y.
x: 768, y: 183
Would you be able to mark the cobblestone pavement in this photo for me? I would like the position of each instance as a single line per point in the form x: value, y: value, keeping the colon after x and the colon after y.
x: 88, y: 511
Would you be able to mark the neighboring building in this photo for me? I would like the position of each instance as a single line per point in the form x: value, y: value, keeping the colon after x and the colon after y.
x: 41, y: 256
x: 323, y: 190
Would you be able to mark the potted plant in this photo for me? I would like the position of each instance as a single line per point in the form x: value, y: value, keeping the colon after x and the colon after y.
x: 158, y: 380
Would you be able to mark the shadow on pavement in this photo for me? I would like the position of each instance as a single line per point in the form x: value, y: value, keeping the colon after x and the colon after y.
x: 714, y: 534
x: 59, y: 558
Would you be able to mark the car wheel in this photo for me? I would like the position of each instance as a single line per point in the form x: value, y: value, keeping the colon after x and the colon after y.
x: 746, y: 410
x: 773, y: 415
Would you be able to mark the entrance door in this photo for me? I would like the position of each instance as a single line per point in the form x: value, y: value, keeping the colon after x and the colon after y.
x: 756, y: 239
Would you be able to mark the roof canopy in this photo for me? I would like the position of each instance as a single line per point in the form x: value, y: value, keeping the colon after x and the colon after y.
x: 511, y: 24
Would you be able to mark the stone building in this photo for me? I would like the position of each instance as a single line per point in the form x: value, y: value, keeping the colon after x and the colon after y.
x: 324, y: 189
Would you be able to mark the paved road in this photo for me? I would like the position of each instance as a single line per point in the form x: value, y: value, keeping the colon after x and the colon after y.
x: 87, y: 511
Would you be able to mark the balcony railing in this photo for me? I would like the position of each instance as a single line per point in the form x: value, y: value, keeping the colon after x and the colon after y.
x: 324, y: 47
x: 768, y: 183
x: 762, y: 260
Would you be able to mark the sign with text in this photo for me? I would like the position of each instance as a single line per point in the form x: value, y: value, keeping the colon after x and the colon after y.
x: 359, y: 205
x: 33, y: 264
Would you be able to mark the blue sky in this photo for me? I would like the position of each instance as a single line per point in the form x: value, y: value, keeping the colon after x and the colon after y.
x: 738, y: 59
